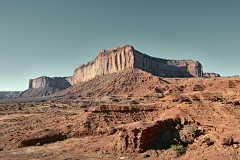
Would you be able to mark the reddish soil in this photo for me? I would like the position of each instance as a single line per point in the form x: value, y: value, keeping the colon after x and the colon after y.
x: 133, y: 115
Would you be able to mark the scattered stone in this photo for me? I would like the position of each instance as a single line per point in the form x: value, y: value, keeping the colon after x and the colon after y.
x: 235, y: 146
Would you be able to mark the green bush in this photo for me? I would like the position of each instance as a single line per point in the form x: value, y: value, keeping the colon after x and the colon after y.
x: 189, y: 128
x: 19, y: 108
x: 145, y: 155
x: 38, y: 144
x: 53, y: 106
x: 179, y: 149
x: 184, y: 140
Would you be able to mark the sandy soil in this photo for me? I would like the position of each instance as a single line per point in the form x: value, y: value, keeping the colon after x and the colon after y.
x: 143, y: 117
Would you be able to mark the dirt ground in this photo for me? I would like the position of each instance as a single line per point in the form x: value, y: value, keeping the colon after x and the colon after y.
x: 147, y: 118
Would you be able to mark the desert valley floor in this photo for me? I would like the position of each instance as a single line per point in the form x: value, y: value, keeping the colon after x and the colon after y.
x: 129, y: 115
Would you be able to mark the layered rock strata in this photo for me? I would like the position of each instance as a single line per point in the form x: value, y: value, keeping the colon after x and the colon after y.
x: 107, y: 61
x: 118, y: 59
x: 141, y: 136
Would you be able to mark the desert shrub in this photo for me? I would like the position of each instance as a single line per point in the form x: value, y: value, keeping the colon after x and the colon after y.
x: 189, y: 128
x: 38, y: 144
x: 19, y: 108
x: 238, y: 126
x: 179, y: 149
x: 174, y: 147
x: 145, y: 155
x: 184, y: 140
x: 53, y: 106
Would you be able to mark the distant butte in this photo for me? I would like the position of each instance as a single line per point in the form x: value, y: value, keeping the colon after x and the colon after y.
x: 116, y: 60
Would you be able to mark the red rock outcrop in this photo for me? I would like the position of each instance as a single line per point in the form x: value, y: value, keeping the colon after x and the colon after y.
x: 118, y: 59
x: 140, y: 136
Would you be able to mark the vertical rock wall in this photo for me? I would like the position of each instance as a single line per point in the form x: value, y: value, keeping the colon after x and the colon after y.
x: 118, y: 59
x: 107, y: 61
x: 167, y: 68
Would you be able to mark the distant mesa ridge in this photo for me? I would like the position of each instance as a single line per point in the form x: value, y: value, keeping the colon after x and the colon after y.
x: 44, y: 86
x: 55, y: 82
x: 116, y: 60
x: 210, y: 75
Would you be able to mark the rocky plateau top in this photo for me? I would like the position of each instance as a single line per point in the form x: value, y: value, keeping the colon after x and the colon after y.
x: 116, y: 60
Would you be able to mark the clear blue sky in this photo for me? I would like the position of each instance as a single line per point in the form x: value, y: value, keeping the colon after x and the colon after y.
x: 53, y: 37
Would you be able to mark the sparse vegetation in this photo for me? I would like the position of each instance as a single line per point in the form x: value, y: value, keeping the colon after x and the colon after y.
x: 178, y: 148
x: 65, y: 118
x: 190, y: 128
x: 19, y: 108
x: 145, y: 155
x: 53, y: 106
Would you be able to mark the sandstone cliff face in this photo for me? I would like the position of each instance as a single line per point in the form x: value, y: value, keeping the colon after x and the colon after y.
x: 210, y: 75
x: 167, y: 68
x: 107, y: 61
x: 118, y: 59
x: 56, y: 82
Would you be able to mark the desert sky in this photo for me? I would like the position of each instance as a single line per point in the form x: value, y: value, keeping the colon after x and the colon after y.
x: 53, y: 37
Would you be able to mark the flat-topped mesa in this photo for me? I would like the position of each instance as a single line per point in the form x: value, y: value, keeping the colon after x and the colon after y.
x: 118, y: 59
x: 56, y: 82
x: 210, y: 75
